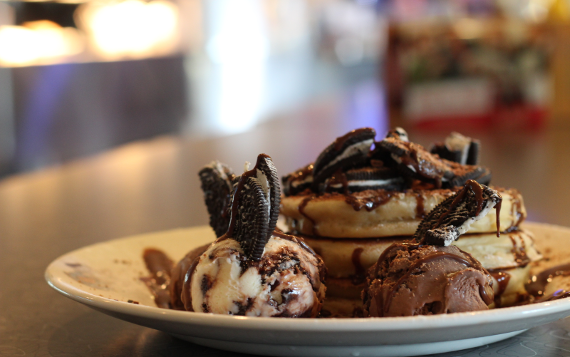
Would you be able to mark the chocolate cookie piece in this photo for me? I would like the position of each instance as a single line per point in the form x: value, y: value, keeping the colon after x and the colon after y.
x: 346, y: 151
x: 458, y: 148
x: 465, y: 173
x: 255, y: 207
x: 216, y: 183
x: 382, y: 154
x: 298, y: 181
x: 365, y: 178
x: 414, y: 162
x: 453, y: 217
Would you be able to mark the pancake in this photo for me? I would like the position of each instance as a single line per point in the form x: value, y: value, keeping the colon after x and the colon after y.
x: 381, y: 213
x: 342, y: 307
x: 349, y: 257
x: 509, y: 285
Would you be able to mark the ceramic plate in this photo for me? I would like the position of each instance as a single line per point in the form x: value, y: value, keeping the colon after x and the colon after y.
x: 106, y: 277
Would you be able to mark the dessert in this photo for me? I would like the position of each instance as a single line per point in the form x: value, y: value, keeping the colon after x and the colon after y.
x: 429, y: 276
x: 414, y: 279
x: 384, y: 216
x: 252, y: 269
x: 350, y: 210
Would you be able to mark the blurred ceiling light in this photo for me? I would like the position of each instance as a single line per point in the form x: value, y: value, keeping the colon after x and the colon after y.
x: 238, y: 46
x: 37, y: 42
x: 238, y: 32
x: 130, y: 28
x: 468, y: 29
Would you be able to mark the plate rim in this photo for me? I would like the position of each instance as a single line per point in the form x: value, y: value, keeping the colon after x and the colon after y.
x: 376, y: 324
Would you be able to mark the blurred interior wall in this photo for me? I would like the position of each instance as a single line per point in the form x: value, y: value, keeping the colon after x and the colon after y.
x: 561, y: 74
x: 70, y: 110
x: 7, y: 138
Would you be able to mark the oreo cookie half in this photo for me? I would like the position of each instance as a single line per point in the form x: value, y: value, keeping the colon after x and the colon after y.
x: 255, y: 207
x: 398, y: 133
x: 458, y: 148
x: 346, y: 151
x: 366, y: 178
x: 414, y: 161
x: 383, y: 154
x: 216, y: 183
x: 453, y: 217
x: 465, y: 173
x: 298, y: 181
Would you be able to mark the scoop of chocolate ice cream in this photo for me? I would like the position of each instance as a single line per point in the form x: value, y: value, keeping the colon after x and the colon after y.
x: 412, y: 279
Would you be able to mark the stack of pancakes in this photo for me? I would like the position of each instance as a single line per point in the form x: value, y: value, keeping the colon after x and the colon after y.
x: 360, y: 196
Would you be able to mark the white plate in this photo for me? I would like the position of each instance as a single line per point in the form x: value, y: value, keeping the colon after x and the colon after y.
x: 105, y: 276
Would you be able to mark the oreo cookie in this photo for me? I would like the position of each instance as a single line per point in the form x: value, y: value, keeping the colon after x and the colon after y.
x: 453, y: 217
x: 365, y: 178
x: 382, y: 154
x: 349, y: 150
x: 216, y: 183
x: 398, y: 133
x: 298, y: 181
x: 255, y: 207
x: 415, y: 162
x: 465, y: 173
x: 458, y: 148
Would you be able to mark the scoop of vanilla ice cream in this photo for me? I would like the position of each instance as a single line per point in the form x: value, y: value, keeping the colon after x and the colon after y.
x: 286, y: 282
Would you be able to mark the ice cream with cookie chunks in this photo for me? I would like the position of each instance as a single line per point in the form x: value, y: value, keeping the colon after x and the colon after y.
x: 429, y: 275
x: 253, y: 269
x: 378, y: 197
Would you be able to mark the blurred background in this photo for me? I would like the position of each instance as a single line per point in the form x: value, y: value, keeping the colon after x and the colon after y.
x: 81, y: 77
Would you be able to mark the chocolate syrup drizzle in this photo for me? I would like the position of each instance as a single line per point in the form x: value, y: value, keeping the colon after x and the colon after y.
x: 360, y: 273
x: 159, y: 265
x: 537, y: 283
x: 301, y: 209
x: 502, y: 278
x: 420, y: 209
x: 519, y: 252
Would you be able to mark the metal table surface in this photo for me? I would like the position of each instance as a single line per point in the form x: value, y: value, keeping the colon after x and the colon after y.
x: 153, y: 185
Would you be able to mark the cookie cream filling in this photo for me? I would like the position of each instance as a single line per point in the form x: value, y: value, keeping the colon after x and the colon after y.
x: 458, y: 142
x: 454, y: 232
x: 308, y: 179
x: 361, y: 183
